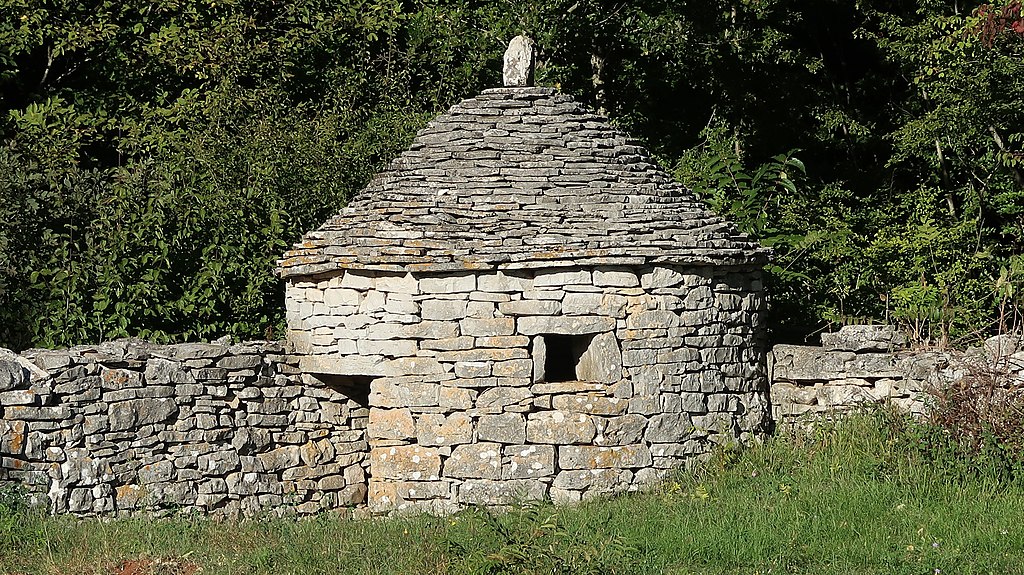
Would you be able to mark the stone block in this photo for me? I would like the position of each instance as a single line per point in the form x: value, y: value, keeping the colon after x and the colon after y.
x: 338, y: 297
x: 357, y: 280
x: 402, y: 284
x: 503, y: 283
x: 448, y: 284
x: 522, y: 368
x: 487, y: 492
x: 443, y: 309
x: 280, y: 458
x: 503, y: 341
x: 476, y: 460
x: 438, y: 429
x: 18, y: 397
x: 528, y: 461
x: 602, y: 361
x: 669, y: 428
x: 598, y: 457
x: 503, y: 428
x: 529, y: 307
x: 405, y: 462
x: 864, y: 338
x: 138, y: 412
x: 502, y: 397
x: 487, y: 327
x: 661, y: 277
x: 561, y: 278
x: 621, y: 430
x: 412, y: 366
x: 591, y: 403
x: 575, y: 325
x: 600, y: 480
x: 460, y: 343
x: 390, y: 424
x: 615, y: 278
x: 13, y: 436
x: 559, y: 427
x: 387, y: 348
x: 455, y: 398
x: 473, y: 369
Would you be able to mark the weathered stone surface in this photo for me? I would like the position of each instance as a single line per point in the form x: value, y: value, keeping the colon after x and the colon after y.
x: 602, y: 362
x: 615, y: 278
x: 597, y: 457
x: 487, y: 327
x: 529, y: 307
x: 621, y: 430
x: 137, y: 412
x: 12, y: 374
x: 477, y: 460
x: 526, y: 461
x: 518, y: 69
x: 661, y: 277
x: 443, y: 309
x: 391, y: 424
x: 503, y: 428
x: 590, y: 403
x: 565, y: 325
x: 438, y: 429
x: 861, y: 338
x: 669, y: 428
x: 407, y: 462
x: 501, y: 397
x: 484, y: 492
x: 601, y: 480
x: 559, y: 427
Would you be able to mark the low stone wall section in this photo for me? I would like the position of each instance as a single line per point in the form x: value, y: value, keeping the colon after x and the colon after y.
x: 225, y: 430
x: 869, y: 364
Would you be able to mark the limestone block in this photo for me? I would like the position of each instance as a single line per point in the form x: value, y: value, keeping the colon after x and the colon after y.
x: 864, y: 338
x: 390, y: 424
x: 591, y: 403
x: 503, y: 428
x: 218, y: 463
x: 502, y: 397
x: 503, y: 341
x: 384, y: 393
x: 280, y: 458
x: 483, y: 354
x: 661, y: 277
x: 653, y: 319
x: 529, y: 307
x: 338, y: 297
x: 527, y: 461
x: 504, y: 283
x: 13, y: 436
x: 700, y: 297
x: 480, y: 309
x: 518, y: 62
x: 402, y: 284
x: 372, y: 302
x: 407, y: 462
x: 564, y: 496
x: 138, y: 412
x: 575, y: 325
x: 412, y: 366
x: 448, y: 284
x: 443, y: 309
x: 472, y: 369
x: 513, y: 368
x: 598, y: 457
x: 487, y: 327
x: 566, y: 387
x: 602, y: 362
x: 548, y: 294
x: 396, y: 304
x: 601, y: 480
x: 561, y: 278
x: 455, y: 398
x: 476, y: 460
x: 18, y: 397
x: 460, y: 343
x: 412, y: 490
x: 484, y: 492
x: 559, y: 427
x: 387, y: 347
x: 357, y: 279
x: 248, y: 440
x: 669, y: 428
x: 437, y: 429
x: 420, y: 330
x: 611, y: 277
x: 621, y: 430
x: 784, y: 393
x: 12, y: 374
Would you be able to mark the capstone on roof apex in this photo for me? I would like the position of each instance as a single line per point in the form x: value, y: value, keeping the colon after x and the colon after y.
x: 518, y: 70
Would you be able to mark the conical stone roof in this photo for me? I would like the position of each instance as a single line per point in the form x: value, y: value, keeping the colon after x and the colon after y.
x: 520, y: 178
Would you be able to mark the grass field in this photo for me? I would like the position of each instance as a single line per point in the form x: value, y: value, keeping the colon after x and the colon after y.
x: 857, y: 498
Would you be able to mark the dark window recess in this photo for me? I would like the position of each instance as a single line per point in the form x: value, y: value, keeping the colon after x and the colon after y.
x: 563, y: 353
x: 354, y: 387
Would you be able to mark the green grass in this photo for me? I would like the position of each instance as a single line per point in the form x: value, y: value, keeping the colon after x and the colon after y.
x: 857, y: 498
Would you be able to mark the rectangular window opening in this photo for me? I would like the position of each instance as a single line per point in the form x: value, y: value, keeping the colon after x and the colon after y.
x: 562, y: 355
x: 354, y: 387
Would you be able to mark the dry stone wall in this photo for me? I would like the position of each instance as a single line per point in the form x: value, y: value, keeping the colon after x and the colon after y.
x: 125, y: 427
x: 472, y: 402
x: 869, y: 364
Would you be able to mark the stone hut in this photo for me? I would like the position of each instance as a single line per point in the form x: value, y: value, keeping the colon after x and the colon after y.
x: 530, y: 308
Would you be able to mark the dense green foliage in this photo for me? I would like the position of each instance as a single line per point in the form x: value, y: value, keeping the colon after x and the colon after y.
x: 866, y: 496
x: 158, y: 157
